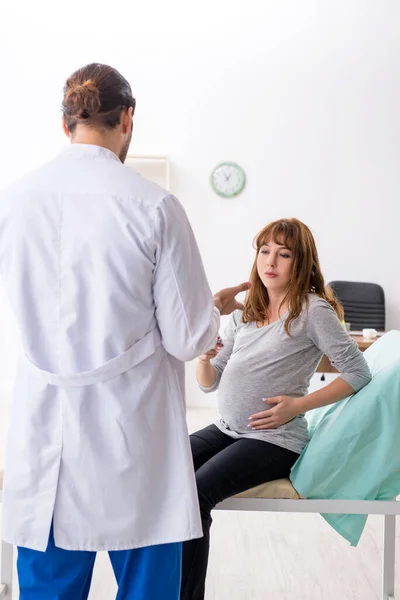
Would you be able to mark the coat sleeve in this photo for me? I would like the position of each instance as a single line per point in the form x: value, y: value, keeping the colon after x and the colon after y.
x: 185, y: 311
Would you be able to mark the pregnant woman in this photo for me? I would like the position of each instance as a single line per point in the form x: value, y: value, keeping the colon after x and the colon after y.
x: 262, y: 373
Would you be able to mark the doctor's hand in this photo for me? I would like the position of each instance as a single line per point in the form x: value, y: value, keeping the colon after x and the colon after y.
x: 225, y: 299
x: 285, y: 409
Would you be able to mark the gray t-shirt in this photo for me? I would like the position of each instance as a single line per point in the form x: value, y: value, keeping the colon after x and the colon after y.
x: 257, y: 363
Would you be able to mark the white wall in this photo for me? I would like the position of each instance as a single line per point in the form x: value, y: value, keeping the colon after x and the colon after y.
x: 304, y: 95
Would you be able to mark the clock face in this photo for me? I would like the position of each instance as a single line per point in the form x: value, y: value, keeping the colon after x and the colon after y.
x: 228, y: 179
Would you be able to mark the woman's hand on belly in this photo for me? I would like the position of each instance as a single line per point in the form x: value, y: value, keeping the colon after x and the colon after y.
x: 286, y: 409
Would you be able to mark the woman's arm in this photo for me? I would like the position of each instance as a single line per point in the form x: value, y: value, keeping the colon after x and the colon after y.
x: 211, y: 365
x: 206, y: 373
x: 335, y: 391
x: 327, y: 333
x: 287, y: 408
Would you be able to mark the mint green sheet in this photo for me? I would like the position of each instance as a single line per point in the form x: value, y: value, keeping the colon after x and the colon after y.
x: 354, y: 451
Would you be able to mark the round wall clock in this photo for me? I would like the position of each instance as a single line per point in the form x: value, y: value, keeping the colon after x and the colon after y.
x: 228, y: 179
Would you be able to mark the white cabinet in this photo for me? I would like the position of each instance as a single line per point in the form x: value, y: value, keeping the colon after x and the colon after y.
x: 155, y: 168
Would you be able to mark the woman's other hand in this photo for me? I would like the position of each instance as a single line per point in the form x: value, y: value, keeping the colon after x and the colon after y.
x: 285, y: 410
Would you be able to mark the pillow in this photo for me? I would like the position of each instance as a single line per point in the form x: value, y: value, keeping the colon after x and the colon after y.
x: 279, y: 488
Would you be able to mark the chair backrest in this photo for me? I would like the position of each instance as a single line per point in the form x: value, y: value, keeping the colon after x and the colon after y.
x: 363, y: 304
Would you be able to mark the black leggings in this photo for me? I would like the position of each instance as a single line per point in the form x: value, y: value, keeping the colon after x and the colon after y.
x: 224, y: 467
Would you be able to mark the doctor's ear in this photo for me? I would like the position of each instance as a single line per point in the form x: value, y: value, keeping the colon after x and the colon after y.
x: 65, y: 127
x: 126, y: 119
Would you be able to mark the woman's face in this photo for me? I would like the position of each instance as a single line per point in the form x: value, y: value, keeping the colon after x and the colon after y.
x: 274, y: 266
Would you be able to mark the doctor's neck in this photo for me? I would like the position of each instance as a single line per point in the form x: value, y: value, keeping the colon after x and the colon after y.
x: 110, y: 140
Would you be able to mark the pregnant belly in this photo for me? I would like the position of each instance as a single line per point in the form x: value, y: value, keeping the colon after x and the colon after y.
x: 235, y: 408
x: 241, y: 395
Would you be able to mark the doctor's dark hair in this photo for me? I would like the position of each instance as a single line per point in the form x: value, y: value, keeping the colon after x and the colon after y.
x: 95, y: 95
x: 306, y: 276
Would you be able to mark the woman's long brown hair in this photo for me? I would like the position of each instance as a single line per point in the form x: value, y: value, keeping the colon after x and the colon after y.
x: 306, y: 276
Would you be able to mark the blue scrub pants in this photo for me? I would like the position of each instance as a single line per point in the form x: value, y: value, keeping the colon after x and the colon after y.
x: 151, y: 573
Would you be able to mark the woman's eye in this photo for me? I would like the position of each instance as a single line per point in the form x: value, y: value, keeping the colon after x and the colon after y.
x: 264, y: 251
x: 285, y: 255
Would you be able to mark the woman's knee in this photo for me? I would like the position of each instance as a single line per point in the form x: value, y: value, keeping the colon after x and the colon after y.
x: 208, y: 494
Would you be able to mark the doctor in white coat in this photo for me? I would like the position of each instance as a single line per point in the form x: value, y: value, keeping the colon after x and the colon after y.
x: 106, y: 282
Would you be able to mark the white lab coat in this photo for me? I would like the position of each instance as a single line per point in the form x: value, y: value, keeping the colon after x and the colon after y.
x: 105, y: 279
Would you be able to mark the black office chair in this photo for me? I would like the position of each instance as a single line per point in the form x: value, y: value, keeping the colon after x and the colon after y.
x: 363, y: 304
